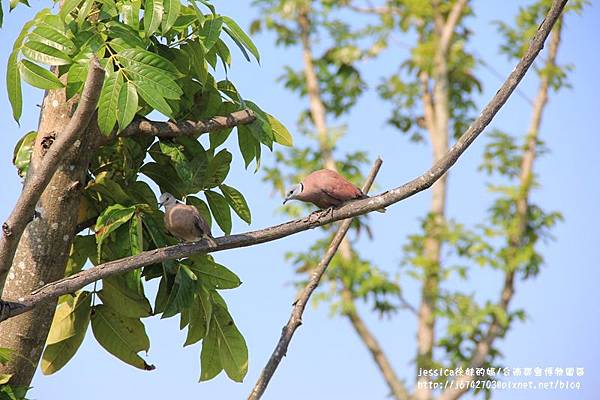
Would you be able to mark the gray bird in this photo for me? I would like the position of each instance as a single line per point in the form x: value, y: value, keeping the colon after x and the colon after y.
x: 325, y: 188
x: 184, y: 221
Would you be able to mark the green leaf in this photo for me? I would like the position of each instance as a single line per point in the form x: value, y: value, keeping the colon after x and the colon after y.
x: 5, y: 355
x: 41, y: 52
x: 129, y: 35
x: 75, y: 78
x: 153, y: 14
x: 53, y: 38
x: 280, y: 133
x: 165, y: 177
x: 210, y: 359
x: 38, y: 76
x: 108, y: 104
x: 121, y: 336
x: 128, y: 104
x: 108, y: 189
x: 84, y: 11
x: 233, y: 351
x: 152, y: 96
x: 110, y: 219
x: 247, y: 144
x: 152, y: 67
x: 217, y: 169
x: 71, y: 316
x: 172, y: 8
x: 128, y: 301
x: 211, y: 29
x: 182, y: 292
x: 4, y: 378
x: 83, y: 247
x: 67, y: 7
x: 22, y: 152
x: 223, y: 52
x: 261, y: 127
x: 67, y: 332
x: 136, y: 236
x: 214, y: 275
x: 238, y: 34
x: 200, y: 314
x: 13, y: 85
x: 220, y: 209
x: 237, y: 201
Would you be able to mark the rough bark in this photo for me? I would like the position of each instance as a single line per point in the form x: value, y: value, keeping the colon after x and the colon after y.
x: 51, y: 147
x: 44, y: 247
x: 507, y: 292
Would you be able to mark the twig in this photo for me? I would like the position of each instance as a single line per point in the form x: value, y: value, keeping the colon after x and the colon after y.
x: 348, y: 210
x: 141, y: 126
x: 24, y: 210
x: 296, y: 317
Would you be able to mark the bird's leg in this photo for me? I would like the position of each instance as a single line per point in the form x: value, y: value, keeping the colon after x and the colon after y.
x: 312, y: 215
x: 327, y: 212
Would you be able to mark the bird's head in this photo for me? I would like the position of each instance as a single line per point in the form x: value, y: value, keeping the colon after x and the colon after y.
x: 166, y: 199
x: 293, y: 192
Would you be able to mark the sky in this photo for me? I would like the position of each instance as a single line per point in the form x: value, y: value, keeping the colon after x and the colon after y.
x: 325, y: 359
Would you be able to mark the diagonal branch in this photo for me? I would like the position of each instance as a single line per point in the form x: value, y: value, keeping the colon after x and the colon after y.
x: 348, y: 210
x: 168, y: 129
x: 34, y: 185
x: 300, y: 304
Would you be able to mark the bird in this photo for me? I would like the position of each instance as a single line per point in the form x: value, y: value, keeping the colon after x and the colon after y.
x: 325, y: 189
x: 184, y: 221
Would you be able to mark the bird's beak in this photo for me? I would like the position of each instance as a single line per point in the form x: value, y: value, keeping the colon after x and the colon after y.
x: 285, y: 201
x: 160, y: 205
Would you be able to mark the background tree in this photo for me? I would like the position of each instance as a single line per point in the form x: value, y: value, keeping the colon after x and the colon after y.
x: 433, y: 97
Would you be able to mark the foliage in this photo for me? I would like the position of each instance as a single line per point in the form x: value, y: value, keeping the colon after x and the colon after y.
x: 159, y: 56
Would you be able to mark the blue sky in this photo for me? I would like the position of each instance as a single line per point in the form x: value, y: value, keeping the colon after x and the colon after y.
x: 325, y: 359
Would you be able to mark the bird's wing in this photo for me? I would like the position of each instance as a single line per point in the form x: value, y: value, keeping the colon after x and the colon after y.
x: 339, y: 188
x: 201, y: 224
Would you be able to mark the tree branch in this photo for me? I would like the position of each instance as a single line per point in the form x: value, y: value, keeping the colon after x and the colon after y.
x: 34, y: 185
x: 348, y: 210
x: 296, y: 318
x: 168, y: 129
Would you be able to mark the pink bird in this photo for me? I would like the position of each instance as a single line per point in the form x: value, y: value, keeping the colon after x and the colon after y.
x: 324, y: 188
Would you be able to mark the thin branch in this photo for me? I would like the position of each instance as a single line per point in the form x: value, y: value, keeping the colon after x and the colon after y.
x: 168, y: 129
x: 296, y: 317
x: 348, y: 210
x: 24, y: 210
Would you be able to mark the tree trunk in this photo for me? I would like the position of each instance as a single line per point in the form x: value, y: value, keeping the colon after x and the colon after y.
x: 44, y: 248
